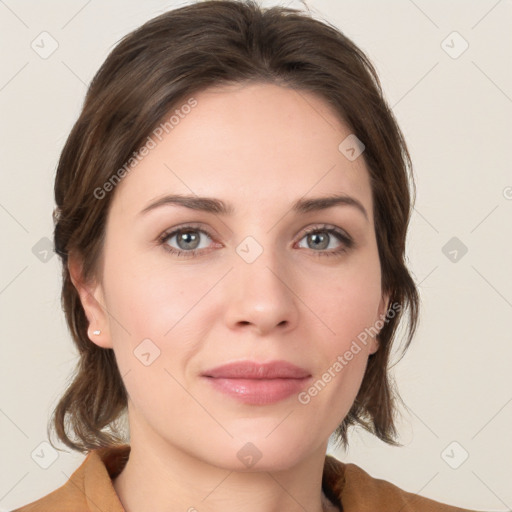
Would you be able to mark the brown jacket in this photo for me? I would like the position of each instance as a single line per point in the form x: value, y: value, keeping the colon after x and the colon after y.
x: 90, y: 489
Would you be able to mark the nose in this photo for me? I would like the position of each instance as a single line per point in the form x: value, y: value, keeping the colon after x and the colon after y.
x: 260, y: 296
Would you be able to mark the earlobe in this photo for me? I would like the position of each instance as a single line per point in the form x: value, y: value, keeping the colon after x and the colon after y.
x: 374, y: 346
x: 384, y: 305
x: 92, y: 300
x: 380, y: 321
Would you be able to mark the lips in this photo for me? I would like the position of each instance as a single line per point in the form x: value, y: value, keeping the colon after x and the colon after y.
x: 254, y: 370
x: 258, y: 384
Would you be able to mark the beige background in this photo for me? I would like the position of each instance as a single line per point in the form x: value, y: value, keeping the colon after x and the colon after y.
x: 456, y: 114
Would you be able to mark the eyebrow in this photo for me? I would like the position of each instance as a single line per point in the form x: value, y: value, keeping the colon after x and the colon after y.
x: 217, y: 206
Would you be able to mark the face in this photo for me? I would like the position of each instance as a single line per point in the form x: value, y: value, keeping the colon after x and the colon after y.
x: 262, y: 281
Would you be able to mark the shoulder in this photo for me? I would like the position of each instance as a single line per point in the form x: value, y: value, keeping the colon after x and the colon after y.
x: 67, y: 497
x: 357, y: 490
x: 88, y: 488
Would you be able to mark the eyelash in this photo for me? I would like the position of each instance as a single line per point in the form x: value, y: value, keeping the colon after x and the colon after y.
x: 340, y: 235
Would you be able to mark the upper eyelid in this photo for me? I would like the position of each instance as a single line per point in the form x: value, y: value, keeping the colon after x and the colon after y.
x: 169, y: 233
x: 326, y: 227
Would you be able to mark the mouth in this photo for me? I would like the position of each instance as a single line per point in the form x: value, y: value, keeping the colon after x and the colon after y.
x: 254, y: 370
x: 258, y: 384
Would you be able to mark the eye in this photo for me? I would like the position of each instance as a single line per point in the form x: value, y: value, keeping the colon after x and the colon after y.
x: 190, y: 241
x: 322, y: 238
x: 185, y: 240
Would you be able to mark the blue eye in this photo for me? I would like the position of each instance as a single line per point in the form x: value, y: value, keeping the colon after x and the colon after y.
x: 187, y: 238
x: 186, y: 241
x: 319, y: 239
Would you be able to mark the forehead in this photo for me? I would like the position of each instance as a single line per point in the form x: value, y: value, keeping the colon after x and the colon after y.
x: 247, y: 144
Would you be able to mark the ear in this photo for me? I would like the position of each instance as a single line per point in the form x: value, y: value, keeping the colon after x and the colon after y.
x: 92, y: 299
x: 380, y: 320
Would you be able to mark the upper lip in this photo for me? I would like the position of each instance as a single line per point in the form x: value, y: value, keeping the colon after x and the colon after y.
x: 255, y: 370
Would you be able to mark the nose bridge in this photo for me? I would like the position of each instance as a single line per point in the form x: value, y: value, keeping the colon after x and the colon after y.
x: 260, y: 293
x: 260, y: 265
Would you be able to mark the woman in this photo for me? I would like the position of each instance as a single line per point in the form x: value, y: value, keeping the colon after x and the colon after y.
x: 232, y: 208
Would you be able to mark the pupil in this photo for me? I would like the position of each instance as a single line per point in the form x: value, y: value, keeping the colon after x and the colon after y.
x: 322, y: 238
x: 188, y: 237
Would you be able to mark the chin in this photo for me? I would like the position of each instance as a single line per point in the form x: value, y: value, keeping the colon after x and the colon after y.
x: 261, y: 452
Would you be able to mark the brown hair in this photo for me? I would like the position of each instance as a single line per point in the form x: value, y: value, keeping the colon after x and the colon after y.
x: 149, y: 72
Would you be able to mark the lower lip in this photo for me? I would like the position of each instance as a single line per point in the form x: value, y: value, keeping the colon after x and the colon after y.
x: 259, y: 391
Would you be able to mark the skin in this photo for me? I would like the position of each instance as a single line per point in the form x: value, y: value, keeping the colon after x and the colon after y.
x: 258, y: 147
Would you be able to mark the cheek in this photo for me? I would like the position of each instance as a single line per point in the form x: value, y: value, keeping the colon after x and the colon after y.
x: 343, y: 353
x: 157, y: 316
x: 149, y: 298
x: 346, y: 302
x: 149, y: 311
x: 346, y: 298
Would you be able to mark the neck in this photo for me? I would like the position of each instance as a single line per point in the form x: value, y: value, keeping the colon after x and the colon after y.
x: 160, y: 476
